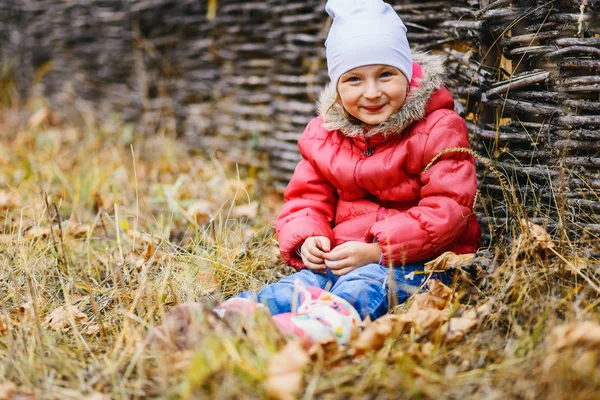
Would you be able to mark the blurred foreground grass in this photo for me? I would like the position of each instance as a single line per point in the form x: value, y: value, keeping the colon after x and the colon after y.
x: 103, y: 232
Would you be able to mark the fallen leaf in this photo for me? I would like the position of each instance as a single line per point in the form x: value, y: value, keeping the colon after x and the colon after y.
x: 438, y: 289
x: 5, y: 324
x: 7, y: 391
x: 8, y: 200
x: 21, y: 311
x: 455, y: 328
x: 534, y: 237
x: 447, y: 260
x: 77, y: 230
x: 284, y: 371
x: 374, y: 335
x: 200, y: 211
x: 428, y: 309
x: 422, y: 319
x: 149, y: 251
x: 60, y: 317
x: 92, y: 329
x: 575, y: 334
x: 437, y: 297
x: 104, y: 202
x: 37, y: 232
x: 208, y: 280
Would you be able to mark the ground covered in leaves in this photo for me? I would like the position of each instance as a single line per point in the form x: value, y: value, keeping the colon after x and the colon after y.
x: 103, y: 232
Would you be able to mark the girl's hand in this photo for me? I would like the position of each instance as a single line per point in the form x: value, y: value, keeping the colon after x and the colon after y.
x: 351, y: 255
x: 313, y: 253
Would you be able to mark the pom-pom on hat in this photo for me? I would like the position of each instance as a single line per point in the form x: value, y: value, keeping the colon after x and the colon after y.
x: 365, y: 32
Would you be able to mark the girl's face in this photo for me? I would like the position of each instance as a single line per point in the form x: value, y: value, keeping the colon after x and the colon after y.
x: 372, y: 93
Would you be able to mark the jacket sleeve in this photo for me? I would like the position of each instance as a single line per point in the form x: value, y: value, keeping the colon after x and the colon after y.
x: 309, y: 210
x: 446, y: 198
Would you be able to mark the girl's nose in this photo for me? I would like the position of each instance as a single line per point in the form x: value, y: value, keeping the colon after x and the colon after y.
x: 371, y: 91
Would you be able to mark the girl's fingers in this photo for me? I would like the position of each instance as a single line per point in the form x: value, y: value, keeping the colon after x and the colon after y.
x: 315, y: 252
x: 318, y: 269
x: 338, y: 264
x: 343, y: 271
x: 323, y: 244
x: 337, y: 254
x: 313, y: 260
x: 313, y: 255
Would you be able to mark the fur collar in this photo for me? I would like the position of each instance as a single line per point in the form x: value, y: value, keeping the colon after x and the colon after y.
x: 412, y: 110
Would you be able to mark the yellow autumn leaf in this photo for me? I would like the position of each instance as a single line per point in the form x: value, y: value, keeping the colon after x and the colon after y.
x: 447, y: 260
x: 534, y: 237
x: 60, y: 318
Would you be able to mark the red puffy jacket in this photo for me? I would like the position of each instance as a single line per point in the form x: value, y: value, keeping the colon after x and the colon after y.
x: 370, y: 183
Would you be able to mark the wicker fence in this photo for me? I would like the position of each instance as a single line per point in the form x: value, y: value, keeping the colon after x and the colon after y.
x: 241, y: 77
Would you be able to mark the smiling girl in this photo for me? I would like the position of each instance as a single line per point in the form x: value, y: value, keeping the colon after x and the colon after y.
x: 362, y: 213
x: 361, y: 207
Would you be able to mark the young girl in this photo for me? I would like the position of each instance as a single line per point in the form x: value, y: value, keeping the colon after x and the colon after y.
x: 362, y: 212
x: 361, y: 200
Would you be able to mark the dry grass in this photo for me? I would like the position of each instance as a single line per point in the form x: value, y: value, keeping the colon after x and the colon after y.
x: 103, y: 232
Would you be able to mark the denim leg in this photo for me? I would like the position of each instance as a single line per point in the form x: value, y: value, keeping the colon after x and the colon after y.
x: 367, y: 288
x: 279, y: 296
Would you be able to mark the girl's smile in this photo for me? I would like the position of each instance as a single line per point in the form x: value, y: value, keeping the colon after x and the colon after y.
x: 372, y: 93
x: 374, y: 110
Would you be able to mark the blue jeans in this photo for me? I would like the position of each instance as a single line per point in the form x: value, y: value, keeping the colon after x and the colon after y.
x: 367, y: 288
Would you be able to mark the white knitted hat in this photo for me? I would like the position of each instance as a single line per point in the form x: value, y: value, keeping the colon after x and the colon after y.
x: 365, y: 32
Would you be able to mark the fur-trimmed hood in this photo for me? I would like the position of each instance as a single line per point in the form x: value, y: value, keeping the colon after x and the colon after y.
x: 413, y: 109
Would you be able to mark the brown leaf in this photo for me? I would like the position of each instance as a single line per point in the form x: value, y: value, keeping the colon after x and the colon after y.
x: 92, y: 329
x: 105, y: 202
x: 7, y: 391
x: 457, y: 327
x: 576, y: 334
x: 438, y: 289
x: 77, y: 230
x: 447, y: 260
x: 374, y: 335
x: 38, y: 232
x: 8, y: 200
x: 437, y: 297
x: 208, y: 280
x: 5, y: 324
x: 200, y: 211
x: 60, y: 317
x: 428, y: 309
x: 284, y: 371
x: 534, y: 237
x: 149, y: 251
x: 422, y: 319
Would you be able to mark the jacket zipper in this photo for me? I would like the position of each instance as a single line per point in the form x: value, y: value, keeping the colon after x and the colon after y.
x: 370, y: 150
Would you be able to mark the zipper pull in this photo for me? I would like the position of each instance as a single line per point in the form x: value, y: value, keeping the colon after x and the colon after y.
x: 369, y: 152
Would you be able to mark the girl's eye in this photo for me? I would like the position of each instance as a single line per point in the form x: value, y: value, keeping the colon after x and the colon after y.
x: 353, y: 79
x: 385, y: 75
